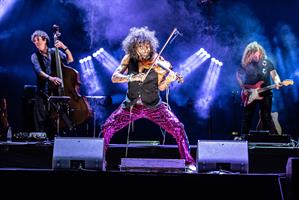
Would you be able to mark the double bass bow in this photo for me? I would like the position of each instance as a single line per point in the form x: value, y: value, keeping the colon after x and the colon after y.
x: 80, y: 110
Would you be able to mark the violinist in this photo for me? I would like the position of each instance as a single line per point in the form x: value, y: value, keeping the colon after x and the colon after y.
x: 143, y: 96
x: 43, y: 61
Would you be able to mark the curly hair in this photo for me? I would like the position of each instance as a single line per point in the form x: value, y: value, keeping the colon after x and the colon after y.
x: 250, y: 49
x: 137, y: 36
x: 42, y: 34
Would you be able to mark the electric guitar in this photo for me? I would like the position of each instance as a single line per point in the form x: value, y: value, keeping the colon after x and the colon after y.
x: 252, y: 92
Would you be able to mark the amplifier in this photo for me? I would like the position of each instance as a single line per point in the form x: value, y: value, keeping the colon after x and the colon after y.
x: 30, y: 136
x: 268, y: 138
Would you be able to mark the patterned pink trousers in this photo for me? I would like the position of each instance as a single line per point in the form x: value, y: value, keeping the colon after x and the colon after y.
x: 160, y: 115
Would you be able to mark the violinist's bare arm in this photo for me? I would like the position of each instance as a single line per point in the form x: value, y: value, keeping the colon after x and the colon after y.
x: 164, y: 84
x: 165, y: 77
x: 163, y: 80
x: 119, y: 75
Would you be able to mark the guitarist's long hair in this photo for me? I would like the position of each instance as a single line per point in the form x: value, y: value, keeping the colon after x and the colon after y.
x: 250, y: 49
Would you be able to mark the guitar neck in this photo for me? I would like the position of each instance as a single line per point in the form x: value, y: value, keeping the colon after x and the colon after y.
x: 269, y: 87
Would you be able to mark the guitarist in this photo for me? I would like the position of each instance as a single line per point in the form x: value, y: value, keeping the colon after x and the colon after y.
x: 43, y: 61
x: 256, y: 67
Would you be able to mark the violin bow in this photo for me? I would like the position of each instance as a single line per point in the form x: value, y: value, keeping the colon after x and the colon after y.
x: 175, y: 31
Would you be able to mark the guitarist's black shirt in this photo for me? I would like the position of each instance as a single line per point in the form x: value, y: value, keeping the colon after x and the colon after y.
x: 257, y: 71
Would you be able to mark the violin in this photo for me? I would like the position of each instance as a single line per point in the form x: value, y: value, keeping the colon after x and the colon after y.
x: 161, y: 65
x: 157, y: 61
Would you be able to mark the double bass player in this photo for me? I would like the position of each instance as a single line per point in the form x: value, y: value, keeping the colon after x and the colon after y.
x: 55, y: 79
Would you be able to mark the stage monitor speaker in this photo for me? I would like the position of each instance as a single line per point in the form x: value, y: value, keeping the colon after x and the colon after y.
x: 213, y: 155
x: 292, y: 174
x: 78, y: 153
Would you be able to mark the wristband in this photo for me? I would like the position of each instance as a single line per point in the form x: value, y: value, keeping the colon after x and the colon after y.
x: 130, y: 77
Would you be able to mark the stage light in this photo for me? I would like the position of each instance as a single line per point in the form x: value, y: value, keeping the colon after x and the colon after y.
x: 98, y: 52
x: 89, y: 76
x: 106, y: 59
x: 207, y: 92
x: 200, y: 51
x: 5, y: 6
x: 194, y: 61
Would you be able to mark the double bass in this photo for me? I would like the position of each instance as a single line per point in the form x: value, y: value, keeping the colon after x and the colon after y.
x: 80, y: 110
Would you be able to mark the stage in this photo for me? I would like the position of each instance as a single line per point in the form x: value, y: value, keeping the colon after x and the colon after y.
x: 27, y: 167
x: 74, y: 184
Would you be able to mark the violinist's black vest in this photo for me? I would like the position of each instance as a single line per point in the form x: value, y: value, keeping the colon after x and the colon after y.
x: 147, y: 91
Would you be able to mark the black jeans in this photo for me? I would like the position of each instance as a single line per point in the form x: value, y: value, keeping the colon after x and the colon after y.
x: 41, y: 115
x: 265, y: 106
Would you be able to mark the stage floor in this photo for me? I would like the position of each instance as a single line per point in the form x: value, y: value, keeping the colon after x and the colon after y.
x: 27, y: 167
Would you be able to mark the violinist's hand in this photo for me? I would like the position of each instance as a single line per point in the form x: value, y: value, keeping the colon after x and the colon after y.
x: 59, y: 44
x: 137, y: 77
x: 171, y: 77
x: 55, y: 80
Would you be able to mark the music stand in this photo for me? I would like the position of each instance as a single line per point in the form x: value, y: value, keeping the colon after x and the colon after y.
x: 58, y: 103
x: 98, y: 100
